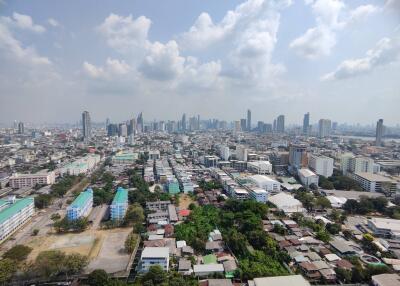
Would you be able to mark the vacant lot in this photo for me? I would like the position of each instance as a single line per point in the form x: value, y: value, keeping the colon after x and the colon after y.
x: 105, y: 248
x: 184, y: 201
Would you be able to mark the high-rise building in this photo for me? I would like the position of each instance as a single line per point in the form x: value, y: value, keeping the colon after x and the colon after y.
x: 274, y: 126
x: 248, y: 120
x: 243, y: 124
x: 107, y: 122
x: 132, y: 126
x: 237, y: 126
x: 379, y: 132
x: 280, y: 124
x: 123, y: 130
x: 86, y: 126
x: 297, y: 156
x: 139, y: 123
x: 306, y: 123
x: 324, y: 127
x: 21, y: 129
x: 112, y: 130
x: 184, y: 122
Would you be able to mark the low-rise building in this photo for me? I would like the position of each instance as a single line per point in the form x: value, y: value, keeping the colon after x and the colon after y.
x: 124, y: 158
x: 266, y: 183
x: 44, y: 177
x: 119, y: 205
x: 13, y: 214
x: 81, y: 206
x: 375, y: 183
x: 260, y: 167
x: 259, y: 195
x: 385, y: 227
x: 154, y: 256
x: 307, y: 177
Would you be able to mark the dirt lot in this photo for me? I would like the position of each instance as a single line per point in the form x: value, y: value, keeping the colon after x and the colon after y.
x: 103, y: 247
x: 184, y: 201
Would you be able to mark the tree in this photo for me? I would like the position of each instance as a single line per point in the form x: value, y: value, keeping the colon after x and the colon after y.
x: 155, y: 275
x: 130, y: 242
x: 55, y: 217
x: 333, y: 228
x: 350, y: 206
x: 135, y: 215
x: 98, y: 277
x: 43, y: 201
x: 18, y: 253
x: 344, y: 275
x: 7, y: 269
x: 35, y: 232
x: 49, y: 263
x: 323, y: 236
x: 74, y: 263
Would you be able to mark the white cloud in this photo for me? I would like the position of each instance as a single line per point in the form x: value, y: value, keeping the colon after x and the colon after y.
x: 162, y: 62
x: 15, y: 50
x: 53, y: 22
x: 316, y: 42
x: 330, y: 16
x: 386, y: 51
x: 112, y: 68
x: 125, y: 34
x: 25, y: 22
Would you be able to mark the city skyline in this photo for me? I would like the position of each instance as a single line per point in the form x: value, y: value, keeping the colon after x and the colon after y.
x: 215, y: 59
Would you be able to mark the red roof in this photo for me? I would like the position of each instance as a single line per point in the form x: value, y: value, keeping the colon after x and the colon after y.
x: 184, y: 212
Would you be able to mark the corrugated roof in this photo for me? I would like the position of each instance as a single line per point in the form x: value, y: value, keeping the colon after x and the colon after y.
x: 14, y: 208
x: 81, y: 200
x: 121, y: 196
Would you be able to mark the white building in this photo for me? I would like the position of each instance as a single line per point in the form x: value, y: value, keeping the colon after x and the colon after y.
x: 266, y: 183
x: 345, y: 162
x: 224, y: 152
x: 385, y: 227
x: 286, y: 203
x: 324, y: 128
x: 154, y: 256
x: 30, y: 180
x: 241, y: 153
x: 307, y: 177
x: 362, y: 165
x: 375, y: 183
x: 240, y: 194
x: 13, y: 214
x: 260, y: 167
x: 259, y: 195
x: 82, y: 165
x: 322, y: 165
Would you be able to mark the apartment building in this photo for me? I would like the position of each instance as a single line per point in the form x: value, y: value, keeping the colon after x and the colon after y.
x: 260, y: 195
x: 321, y: 165
x: 119, y: 205
x: 375, y: 183
x: 44, y: 177
x: 266, y: 183
x: 260, y: 167
x: 307, y: 177
x: 13, y: 214
x: 81, y: 206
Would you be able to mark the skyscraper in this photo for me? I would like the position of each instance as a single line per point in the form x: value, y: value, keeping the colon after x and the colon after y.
x: 86, y: 126
x: 379, y: 132
x: 243, y: 124
x: 306, y: 123
x: 297, y: 155
x: 21, y: 129
x: 280, y: 124
x: 324, y: 128
x: 184, y: 122
x: 132, y: 126
x: 139, y: 123
x: 248, y: 120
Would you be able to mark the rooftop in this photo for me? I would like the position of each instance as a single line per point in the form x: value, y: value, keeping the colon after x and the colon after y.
x: 121, y: 196
x: 81, y: 200
x: 373, y: 177
x: 7, y: 212
x: 306, y: 172
x: 296, y: 280
x: 152, y: 252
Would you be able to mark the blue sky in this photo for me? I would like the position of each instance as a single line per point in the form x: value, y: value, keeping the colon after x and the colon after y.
x: 336, y: 59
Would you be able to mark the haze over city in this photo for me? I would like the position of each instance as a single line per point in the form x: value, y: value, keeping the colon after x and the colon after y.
x: 200, y: 143
x: 335, y: 59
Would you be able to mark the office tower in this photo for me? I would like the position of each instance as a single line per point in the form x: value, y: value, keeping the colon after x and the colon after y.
x: 112, y: 130
x: 297, y: 155
x: 107, y: 122
x: 123, y: 130
x: 260, y: 126
x: 243, y: 124
x: 21, y: 129
x: 280, y: 124
x: 237, y: 126
x: 248, y: 120
x: 198, y: 122
x: 306, y: 123
x: 183, y: 124
x: 274, y: 126
x: 86, y: 126
x: 334, y: 126
x: 379, y: 132
x: 324, y: 126
x: 139, y: 123
x: 132, y: 126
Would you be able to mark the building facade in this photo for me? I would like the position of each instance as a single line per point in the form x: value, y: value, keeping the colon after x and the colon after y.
x: 119, y: 205
x: 17, y: 180
x: 81, y: 206
x: 322, y: 165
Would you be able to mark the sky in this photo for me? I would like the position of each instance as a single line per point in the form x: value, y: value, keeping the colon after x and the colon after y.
x: 333, y: 58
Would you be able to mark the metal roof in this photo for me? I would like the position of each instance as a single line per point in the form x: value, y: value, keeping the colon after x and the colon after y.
x: 121, y: 196
x: 83, y: 197
x: 14, y: 208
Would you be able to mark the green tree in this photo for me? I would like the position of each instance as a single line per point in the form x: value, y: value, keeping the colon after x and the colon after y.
x: 7, y: 270
x: 18, y: 253
x: 130, y: 242
x: 98, y: 277
x: 155, y: 275
x: 322, y: 202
